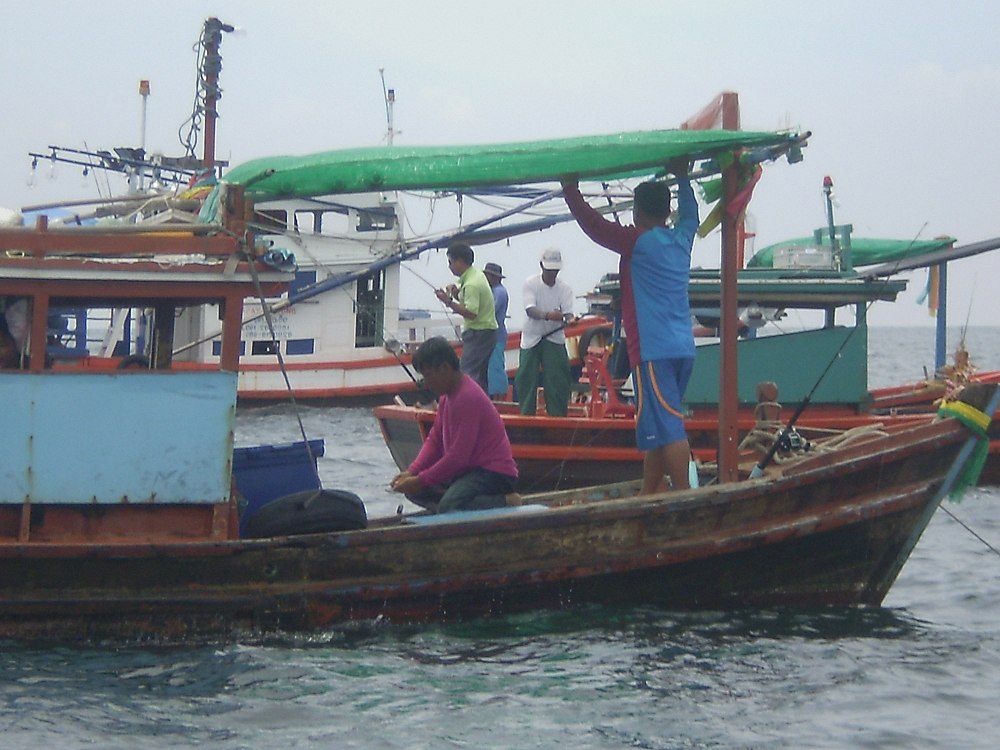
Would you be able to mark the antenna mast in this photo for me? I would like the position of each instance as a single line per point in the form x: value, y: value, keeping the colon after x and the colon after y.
x: 390, y: 101
x: 211, y: 67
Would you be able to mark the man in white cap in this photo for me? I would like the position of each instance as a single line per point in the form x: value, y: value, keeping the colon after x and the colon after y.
x: 548, y: 303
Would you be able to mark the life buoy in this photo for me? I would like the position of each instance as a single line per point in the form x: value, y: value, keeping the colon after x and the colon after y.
x: 307, y: 512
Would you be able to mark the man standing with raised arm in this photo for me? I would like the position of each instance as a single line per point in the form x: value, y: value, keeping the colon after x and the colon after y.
x: 654, y: 270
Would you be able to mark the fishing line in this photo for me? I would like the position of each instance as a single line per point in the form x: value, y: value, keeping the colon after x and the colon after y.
x: 965, y: 526
x: 447, y: 311
x: 281, y: 361
x: 390, y: 342
x: 968, y: 316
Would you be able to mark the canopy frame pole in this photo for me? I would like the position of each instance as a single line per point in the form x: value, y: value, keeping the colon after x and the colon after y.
x: 728, y: 376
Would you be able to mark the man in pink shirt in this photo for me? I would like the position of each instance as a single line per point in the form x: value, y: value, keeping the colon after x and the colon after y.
x: 466, y: 462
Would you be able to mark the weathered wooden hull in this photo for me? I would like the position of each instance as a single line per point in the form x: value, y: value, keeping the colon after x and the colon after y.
x: 833, y: 532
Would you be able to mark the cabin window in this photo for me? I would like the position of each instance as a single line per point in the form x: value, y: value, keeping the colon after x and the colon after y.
x: 217, y: 348
x: 370, y: 310
x: 299, y: 346
x: 264, y: 347
x: 308, y: 222
x: 376, y: 220
x: 342, y: 221
x: 67, y: 332
x: 271, y: 221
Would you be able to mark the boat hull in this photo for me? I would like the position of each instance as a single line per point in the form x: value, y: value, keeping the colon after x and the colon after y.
x: 830, y: 533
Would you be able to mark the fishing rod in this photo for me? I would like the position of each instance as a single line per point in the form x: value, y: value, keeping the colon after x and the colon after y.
x: 288, y: 384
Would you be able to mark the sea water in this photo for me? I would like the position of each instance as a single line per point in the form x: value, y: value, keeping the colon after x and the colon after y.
x: 923, y: 671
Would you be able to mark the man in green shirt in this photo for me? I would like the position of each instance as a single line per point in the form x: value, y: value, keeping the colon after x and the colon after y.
x: 472, y: 298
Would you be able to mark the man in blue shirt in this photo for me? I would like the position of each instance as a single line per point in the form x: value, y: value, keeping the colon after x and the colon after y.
x: 654, y: 270
x: 497, y: 375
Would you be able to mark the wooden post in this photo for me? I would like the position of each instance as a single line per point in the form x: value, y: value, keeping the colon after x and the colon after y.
x: 232, y: 327
x: 728, y: 375
x: 38, y: 335
x: 163, y: 335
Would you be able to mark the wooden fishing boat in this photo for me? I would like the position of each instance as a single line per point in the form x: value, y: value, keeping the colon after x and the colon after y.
x: 834, y: 529
x: 118, y: 512
x: 826, y: 367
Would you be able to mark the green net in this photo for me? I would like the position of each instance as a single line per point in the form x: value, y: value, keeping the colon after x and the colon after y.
x: 452, y: 167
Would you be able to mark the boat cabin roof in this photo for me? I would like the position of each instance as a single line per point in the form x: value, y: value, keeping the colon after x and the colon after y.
x: 810, y: 290
x: 164, y: 268
x: 93, y: 266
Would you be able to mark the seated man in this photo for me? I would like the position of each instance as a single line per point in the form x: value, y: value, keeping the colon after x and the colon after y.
x: 466, y: 462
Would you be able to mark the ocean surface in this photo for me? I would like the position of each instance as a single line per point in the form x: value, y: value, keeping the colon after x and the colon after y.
x: 923, y: 671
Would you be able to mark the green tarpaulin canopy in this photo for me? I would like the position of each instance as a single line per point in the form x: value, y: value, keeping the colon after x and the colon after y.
x: 449, y: 167
x: 864, y: 252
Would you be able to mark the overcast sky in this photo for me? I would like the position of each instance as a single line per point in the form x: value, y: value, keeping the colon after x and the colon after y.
x: 902, y: 99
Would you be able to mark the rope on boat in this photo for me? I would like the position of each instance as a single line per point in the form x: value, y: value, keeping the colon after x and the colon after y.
x: 978, y: 422
x: 764, y: 435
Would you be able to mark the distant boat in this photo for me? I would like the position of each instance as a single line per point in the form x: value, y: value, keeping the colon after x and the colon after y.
x: 826, y: 367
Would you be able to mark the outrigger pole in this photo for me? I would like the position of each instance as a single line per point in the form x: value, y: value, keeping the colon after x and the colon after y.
x: 335, y: 282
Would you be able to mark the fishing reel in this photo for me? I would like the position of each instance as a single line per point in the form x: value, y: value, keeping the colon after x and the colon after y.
x: 790, y: 441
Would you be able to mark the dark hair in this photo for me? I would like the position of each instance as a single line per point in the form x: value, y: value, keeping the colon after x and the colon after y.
x: 462, y: 251
x: 653, y: 199
x: 433, y: 353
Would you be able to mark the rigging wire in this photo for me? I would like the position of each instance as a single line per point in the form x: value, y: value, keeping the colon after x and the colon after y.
x: 94, y: 169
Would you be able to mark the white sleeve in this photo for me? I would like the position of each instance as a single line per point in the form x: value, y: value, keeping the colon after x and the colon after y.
x: 529, y: 295
x: 566, y: 303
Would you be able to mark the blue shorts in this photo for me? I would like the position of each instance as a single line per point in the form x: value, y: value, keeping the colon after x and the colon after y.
x: 659, y: 387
